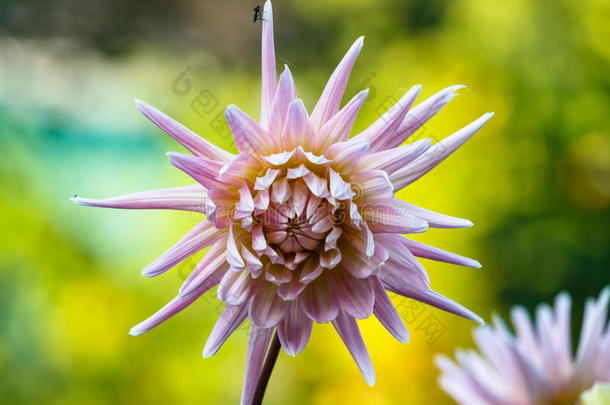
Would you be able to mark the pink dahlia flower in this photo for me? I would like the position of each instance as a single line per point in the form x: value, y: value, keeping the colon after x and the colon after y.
x: 302, y: 224
x: 535, y: 367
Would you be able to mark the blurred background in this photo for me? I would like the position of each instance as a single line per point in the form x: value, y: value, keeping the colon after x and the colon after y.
x: 535, y: 181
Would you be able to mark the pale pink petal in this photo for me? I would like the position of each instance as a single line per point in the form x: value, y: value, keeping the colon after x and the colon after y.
x: 278, y: 274
x: 402, y: 267
x: 355, y: 219
x: 266, y: 308
x: 346, y: 155
x: 223, y: 206
x: 317, y: 185
x: 485, y: 378
x: 323, y: 225
x: 297, y: 129
x: 273, y: 255
x: 294, y: 330
x: 338, y: 127
x: 245, y: 205
x: 286, y: 92
x: 458, y: 384
x: 264, y: 182
x: 555, y: 364
x: 319, y: 302
x: 261, y: 201
x: 356, y: 296
x: 297, y: 172
x: 312, y: 157
x: 362, y: 240
x: 250, y: 138
x: 229, y: 320
x: 259, y: 242
x: 563, y: 332
x: 372, y: 186
x: 300, y: 257
x: 170, y: 309
x: 241, y: 167
x: 538, y: 386
x: 187, y: 198
x: 191, y: 141
x: 233, y: 255
x: 594, y: 323
x: 330, y: 242
x: 395, y: 275
x: 358, y: 264
x: 381, y: 132
x: 436, y: 154
x: 430, y: 297
x: 268, y: 72
x: 211, y: 268
x: 255, y: 357
x: 252, y: 261
x: 310, y: 270
x: 339, y: 188
x: 280, y: 191
x: 347, y: 328
x: 434, y: 219
x: 291, y: 290
x: 526, y: 338
x: 393, y: 159
x: 278, y: 159
x: 330, y: 258
x: 300, y: 197
x: 433, y: 253
x: 422, y: 112
x: 385, y: 311
x: 202, y: 170
x: 314, y: 207
x: 202, y: 235
x: 235, y: 287
x: 329, y: 101
x: 498, y: 351
x: 386, y: 217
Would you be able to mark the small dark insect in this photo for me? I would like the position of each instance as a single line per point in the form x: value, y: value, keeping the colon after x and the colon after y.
x: 258, y: 15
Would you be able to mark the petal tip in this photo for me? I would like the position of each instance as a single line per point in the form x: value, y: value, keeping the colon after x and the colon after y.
x: 147, y: 272
x: 77, y: 200
x: 206, y: 353
x: 370, y: 378
x: 140, y: 105
x: 478, y: 320
x: 185, y: 293
x: 290, y: 351
x: 136, y: 330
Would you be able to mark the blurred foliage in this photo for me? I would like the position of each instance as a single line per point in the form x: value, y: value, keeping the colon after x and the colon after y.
x: 535, y: 181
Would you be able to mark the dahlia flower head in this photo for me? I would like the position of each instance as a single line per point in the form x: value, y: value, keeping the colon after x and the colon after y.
x: 302, y: 225
x: 536, y: 366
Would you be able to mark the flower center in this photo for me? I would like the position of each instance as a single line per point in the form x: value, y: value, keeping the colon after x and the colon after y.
x: 296, y: 220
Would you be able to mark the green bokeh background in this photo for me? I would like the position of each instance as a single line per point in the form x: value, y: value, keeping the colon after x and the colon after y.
x: 535, y: 181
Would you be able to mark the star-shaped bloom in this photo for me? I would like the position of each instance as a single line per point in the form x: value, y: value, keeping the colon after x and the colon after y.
x: 302, y: 225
